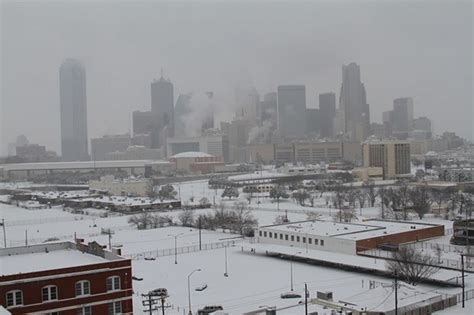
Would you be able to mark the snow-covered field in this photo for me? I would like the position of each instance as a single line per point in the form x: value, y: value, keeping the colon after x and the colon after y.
x: 254, y: 281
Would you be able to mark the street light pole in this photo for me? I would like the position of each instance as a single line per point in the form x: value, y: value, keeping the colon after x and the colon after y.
x: 291, y: 274
x: 175, y: 246
x: 189, y: 290
x: 225, y: 274
x: 462, y: 275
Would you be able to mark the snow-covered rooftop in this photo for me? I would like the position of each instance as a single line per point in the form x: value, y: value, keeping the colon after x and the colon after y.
x: 40, y: 261
x: 191, y: 155
x: 353, y: 231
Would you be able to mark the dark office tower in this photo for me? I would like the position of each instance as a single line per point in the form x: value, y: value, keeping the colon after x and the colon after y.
x: 402, y: 117
x: 327, y: 114
x: 142, y: 122
x: 312, y: 122
x: 73, y: 106
x: 291, y: 111
x: 353, y: 103
x: 162, y: 108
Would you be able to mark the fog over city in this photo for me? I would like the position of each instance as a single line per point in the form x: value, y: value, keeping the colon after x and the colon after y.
x: 420, y: 49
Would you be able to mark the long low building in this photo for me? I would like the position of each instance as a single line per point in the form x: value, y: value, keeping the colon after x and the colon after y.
x: 347, y: 238
x: 21, y: 171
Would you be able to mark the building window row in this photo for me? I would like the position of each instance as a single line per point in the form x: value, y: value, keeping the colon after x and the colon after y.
x: 50, y: 293
x: 291, y: 238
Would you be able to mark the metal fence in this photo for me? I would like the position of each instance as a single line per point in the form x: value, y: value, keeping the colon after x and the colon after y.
x: 443, y: 263
x: 43, y: 220
x: 468, y: 295
x: 181, y: 250
x: 445, y: 248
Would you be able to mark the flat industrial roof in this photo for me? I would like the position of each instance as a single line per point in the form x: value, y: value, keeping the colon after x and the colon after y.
x: 351, y: 231
x: 80, y: 165
x: 41, y: 261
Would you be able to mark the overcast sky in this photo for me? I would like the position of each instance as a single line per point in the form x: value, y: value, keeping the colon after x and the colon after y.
x: 421, y: 49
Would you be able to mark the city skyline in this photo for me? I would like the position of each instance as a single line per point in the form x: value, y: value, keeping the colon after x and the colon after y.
x: 319, y: 71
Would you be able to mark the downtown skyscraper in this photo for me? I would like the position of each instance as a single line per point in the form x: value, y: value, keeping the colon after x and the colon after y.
x: 292, y: 111
x: 73, y: 108
x: 353, y: 104
x: 162, y: 109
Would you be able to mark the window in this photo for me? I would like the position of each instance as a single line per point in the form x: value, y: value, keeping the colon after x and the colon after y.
x: 297, y: 238
x: 304, y: 239
x: 292, y: 238
x: 286, y: 237
x: 264, y: 234
x: 270, y: 234
x: 115, y: 308
x: 316, y: 241
x: 83, y: 287
x: 14, y: 298
x: 50, y: 293
x: 275, y: 235
x: 260, y: 233
x: 84, y: 311
x: 310, y: 240
x: 322, y: 242
x: 281, y: 236
x: 113, y: 283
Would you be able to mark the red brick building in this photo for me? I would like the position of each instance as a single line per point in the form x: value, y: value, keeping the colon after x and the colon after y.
x: 65, y: 278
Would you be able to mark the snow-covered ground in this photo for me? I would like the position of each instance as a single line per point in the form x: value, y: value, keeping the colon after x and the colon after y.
x: 254, y: 281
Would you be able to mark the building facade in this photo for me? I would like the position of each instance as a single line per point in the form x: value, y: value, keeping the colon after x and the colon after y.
x: 162, y: 108
x: 392, y: 156
x: 353, y: 103
x: 291, y: 111
x: 73, y: 105
x: 327, y: 114
x: 65, y: 279
x: 100, y: 147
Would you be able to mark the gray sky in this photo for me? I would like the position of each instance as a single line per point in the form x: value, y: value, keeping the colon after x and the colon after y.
x: 405, y: 48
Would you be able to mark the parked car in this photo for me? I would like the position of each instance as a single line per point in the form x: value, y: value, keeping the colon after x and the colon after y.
x: 290, y: 295
x: 137, y: 278
x: 160, y: 292
x: 201, y: 287
x: 209, y: 309
x: 150, y: 258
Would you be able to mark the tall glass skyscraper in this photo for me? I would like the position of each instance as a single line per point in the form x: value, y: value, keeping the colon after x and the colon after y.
x: 292, y: 111
x: 73, y: 106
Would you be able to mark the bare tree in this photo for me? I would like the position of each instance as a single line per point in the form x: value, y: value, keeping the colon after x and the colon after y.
x: 242, y: 219
x: 186, y: 217
x: 300, y: 196
x: 141, y: 221
x: 361, y: 198
x: 345, y: 215
x: 411, y: 264
x: 167, y: 192
x: 204, y: 202
x: 371, y: 193
x: 312, y: 215
x: 338, y: 199
x: 440, y: 197
x: 421, y: 200
x: 404, y: 195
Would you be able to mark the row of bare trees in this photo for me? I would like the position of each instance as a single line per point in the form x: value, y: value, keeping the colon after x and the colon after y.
x: 147, y: 220
x: 237, y: 219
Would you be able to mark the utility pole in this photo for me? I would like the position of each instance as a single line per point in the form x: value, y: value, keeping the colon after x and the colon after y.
x: 305, y: 299
x: 396, y: 294
x: 175, y: 246
x: 4, y: 234
x: 26, y: 237
x: 462, y: 276
x: 109, y: 233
